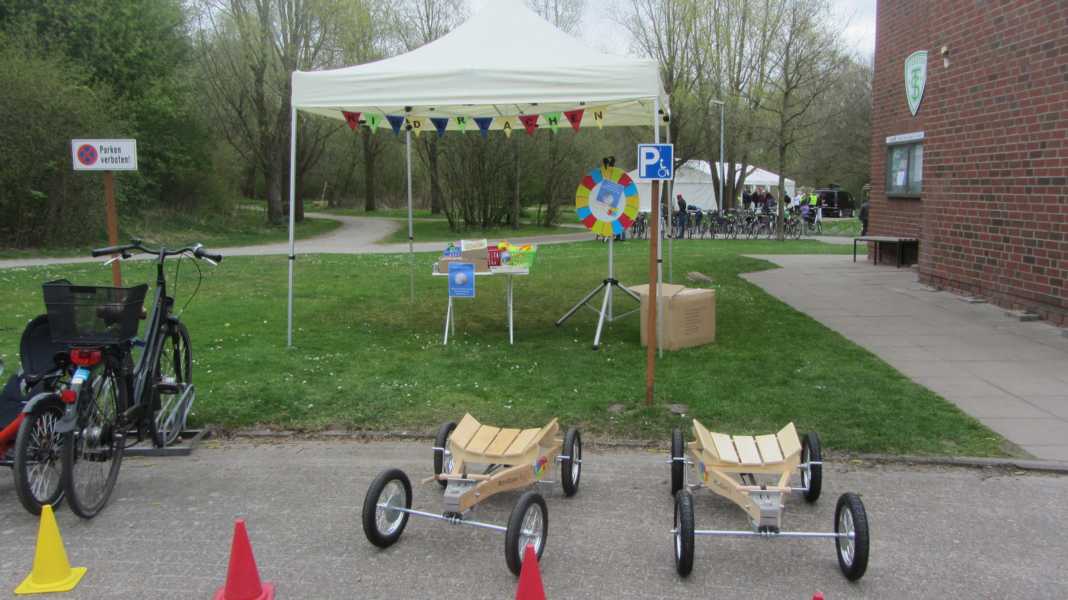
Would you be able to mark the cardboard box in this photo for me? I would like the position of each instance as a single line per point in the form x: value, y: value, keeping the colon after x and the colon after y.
x: 689, y: 315
x: 481, y: 264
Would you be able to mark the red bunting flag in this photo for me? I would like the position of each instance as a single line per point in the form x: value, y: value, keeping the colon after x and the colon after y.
x: 574, y: 117
x: 352, y: 118
x: 530, y: 122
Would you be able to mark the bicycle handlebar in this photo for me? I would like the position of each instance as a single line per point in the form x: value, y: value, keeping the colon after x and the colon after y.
x: 197, y: 251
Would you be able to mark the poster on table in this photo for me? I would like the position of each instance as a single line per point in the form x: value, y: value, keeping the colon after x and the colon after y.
x: 461, y: 280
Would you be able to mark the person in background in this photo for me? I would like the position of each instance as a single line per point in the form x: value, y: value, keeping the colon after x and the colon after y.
x: 864, y: 218
x: 747, y: 200
x: 680, y: 216
x: 769, y: 202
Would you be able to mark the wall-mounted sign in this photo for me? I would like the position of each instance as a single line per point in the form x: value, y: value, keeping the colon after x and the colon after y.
x: 904, y: 138
x: 104, y: 155
x: 915, y: 79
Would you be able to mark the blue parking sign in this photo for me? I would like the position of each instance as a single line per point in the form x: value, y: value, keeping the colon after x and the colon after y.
x: 461, y: 280
x: 656, y: 162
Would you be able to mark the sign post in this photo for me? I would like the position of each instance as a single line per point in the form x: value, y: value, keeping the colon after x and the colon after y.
x: 656, y: 163
x: 107, y: 156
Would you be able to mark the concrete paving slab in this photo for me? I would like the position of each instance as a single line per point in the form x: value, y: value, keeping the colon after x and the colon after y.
x: 1056, y: 404
x: 971, y: 354
x: 937, y: 532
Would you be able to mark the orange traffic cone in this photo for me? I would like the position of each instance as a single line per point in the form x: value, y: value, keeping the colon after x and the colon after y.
x: 530, y: 577
x: 243, y: 578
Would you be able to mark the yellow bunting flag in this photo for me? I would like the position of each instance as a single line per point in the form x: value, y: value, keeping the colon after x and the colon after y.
x: 417, y: 124
x: 507, y: 125
x: 598, y: 116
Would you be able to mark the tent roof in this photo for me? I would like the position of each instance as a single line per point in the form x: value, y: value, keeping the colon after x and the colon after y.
x: 503, y: 61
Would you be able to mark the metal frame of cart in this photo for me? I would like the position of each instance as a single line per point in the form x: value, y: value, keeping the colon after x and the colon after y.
x: 509, y: 459
x: 509, y: 294
x: 754, y: 472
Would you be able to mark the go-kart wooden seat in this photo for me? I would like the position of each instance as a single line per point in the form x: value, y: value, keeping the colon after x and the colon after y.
x: 746, y: 450
x: 497, y: 445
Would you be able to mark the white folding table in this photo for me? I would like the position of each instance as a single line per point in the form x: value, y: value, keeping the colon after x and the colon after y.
x: 508, y: 273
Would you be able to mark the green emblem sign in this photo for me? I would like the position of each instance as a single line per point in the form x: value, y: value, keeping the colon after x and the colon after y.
x: 915, y: 79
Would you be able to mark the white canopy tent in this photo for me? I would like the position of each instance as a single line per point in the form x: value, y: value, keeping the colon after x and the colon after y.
x: 503, y: 63
x: 693, y: 179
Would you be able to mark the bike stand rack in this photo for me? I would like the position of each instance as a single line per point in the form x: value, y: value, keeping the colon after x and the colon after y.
x: 605, y: 314
x: 187, y: 442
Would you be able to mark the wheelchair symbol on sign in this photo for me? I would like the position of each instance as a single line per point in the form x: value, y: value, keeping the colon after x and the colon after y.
x: 663, y: 171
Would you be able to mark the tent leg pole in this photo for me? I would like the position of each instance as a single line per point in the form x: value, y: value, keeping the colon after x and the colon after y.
x: 292, y: 218
x: 411, y: 233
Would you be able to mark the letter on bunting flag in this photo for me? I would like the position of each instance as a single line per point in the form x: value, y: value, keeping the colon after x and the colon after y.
x: 484, y: 125
x: 598, y: 116
x: 507, y: 125
x: 417, y: 124
x: 553, y: 120
x: 373, y: 122
x: 395, y: 121
x: 530, y: 122
x: 461, y: 122
x: 352, y: 118
x: 575, y: 118
x: 441, y: 124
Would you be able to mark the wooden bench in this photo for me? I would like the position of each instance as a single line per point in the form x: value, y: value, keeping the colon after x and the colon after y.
x: 898, y: 242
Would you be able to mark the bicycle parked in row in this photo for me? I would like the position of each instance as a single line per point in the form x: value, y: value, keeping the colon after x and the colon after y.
x: 111, y: 403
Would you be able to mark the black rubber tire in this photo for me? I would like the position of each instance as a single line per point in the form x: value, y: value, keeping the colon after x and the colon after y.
x: 513, y: 554
x: 89, y: 507
x: 179, y: 350
x: 370, y: 506
x: 812, y: 450
x: 441, y: 440
x: 678, y: 472
x: 52, y: 409
x: 569, y: 478
x: 862, y: 536
x: 683, y: 539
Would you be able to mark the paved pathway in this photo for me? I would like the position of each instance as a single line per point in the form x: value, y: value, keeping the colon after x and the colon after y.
x: 357, y: 235
x: 1012, y: 376
x: 936, y: 532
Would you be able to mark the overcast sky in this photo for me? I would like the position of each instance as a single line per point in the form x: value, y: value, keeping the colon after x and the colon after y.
x: 856, y: 19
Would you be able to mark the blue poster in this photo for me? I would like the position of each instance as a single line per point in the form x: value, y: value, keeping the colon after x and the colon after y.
x: 461, y: 280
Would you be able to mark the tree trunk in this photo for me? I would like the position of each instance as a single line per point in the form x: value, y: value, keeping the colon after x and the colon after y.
x: 273, y: 179
x: 435, y: 183
x: 368, y: 174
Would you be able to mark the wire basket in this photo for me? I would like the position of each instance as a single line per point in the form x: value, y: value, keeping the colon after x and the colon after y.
x: 82, y: 315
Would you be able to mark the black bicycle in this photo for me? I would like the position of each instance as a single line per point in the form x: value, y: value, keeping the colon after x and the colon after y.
x: 111, y: 402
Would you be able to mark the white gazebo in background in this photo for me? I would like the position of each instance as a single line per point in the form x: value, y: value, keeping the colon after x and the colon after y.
x: 504, y: 62
x: 693, y: 179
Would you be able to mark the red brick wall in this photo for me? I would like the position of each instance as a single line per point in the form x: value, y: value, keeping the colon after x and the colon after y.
x: 993, y: 215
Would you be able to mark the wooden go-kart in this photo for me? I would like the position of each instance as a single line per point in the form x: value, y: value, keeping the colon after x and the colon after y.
x: 506, y: 459
x: 754, y: 473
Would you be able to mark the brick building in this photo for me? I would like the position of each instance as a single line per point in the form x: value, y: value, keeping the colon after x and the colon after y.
x: 975, y: 166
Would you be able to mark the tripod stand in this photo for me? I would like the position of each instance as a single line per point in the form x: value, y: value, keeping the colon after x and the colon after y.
x: 605, y: 313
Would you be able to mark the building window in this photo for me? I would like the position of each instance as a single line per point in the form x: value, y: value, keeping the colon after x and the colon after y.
x: 904, y: 169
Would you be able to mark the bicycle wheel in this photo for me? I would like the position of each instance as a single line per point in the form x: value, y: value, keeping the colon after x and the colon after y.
x: 173, y: 376
x: 38, y: 467
x: 92, y: 453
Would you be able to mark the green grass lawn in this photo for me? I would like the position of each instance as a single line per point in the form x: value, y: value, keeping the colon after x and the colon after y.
x: 366, y: 358
x: 243, y: 228
x: 438, y: 231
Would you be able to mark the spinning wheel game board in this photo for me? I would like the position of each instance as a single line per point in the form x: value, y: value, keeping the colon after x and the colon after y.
x: 606, y: 201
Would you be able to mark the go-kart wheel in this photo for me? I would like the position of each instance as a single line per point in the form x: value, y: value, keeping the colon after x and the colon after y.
x: 571, y: 467
x: 850, y: 517
x: 678, y: 474
x: 38, y: 465
x: 443, y: 462
x: 382, y: 523
x: 683, y: 537
x: 811, y: 477
x: 529, y: 524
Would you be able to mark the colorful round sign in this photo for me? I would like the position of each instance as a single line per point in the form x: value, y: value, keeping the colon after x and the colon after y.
x: 87, y: 154
x: 606, y: 201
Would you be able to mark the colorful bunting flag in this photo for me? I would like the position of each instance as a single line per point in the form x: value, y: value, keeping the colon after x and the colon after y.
x: 395, y: 121
x: 417, y: 124
x: 507, y: 125
x: 440, y: 123
x: 352, y: 118
x: 373, y: 122
x: 575, y: 118
x: 530, y: 122
x: 553, y: 121
x: 598, y: 116
x: 484, y: 125
x: 461, y: 122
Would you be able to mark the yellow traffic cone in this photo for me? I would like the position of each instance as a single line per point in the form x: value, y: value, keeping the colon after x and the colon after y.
x: 51, y: 571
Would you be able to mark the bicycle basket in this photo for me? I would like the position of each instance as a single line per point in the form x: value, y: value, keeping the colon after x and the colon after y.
x: 82, y: 315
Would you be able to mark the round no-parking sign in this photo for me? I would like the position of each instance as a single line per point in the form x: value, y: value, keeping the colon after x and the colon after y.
x: 87, y: 154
